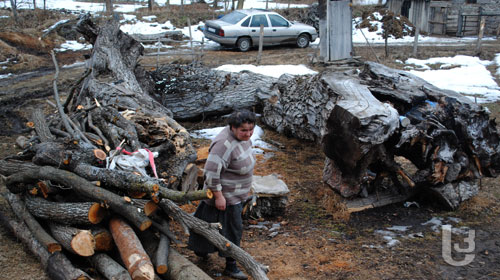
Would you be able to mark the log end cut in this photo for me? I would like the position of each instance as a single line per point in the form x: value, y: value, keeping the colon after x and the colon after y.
x: 54, y: 247
x: 161, y: 269
x: 96, y: 213
x: 150, y: 207
x: 143, y: 271
x: 83, y: 243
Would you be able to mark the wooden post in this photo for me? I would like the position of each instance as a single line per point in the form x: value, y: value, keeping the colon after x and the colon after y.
x: 460, y: 23
x: 191, y: 39
x: 267, y: 4
x: 261, y: 41
x: 158, y: 54
x: 415, y: 42
x: 480, y: 35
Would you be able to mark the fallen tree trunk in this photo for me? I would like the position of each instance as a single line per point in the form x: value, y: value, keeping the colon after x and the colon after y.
x: 132, y: 253
x: 80, y: 213
x: 364, y: 119
x: 76, y: 241
x: 195, y: 92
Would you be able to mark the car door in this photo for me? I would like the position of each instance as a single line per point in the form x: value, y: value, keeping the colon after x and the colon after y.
x: 281, y: 30
x: 255, y: 23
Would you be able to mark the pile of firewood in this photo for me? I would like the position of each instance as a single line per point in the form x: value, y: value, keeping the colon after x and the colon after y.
x: 72, y: 211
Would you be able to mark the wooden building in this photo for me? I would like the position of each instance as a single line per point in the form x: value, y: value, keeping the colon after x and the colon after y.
x: 450, y: 17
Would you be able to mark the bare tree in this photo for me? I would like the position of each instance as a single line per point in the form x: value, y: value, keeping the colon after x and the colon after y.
x: 34, y: 4
x: 13, y: 5
x: 150, y: 5
x: 109, y: 6
x: 240, y: 4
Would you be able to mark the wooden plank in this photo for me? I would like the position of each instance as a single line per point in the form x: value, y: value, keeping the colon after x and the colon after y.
x: 340, y: 29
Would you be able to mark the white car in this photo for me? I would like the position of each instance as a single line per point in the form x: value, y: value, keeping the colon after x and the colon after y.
x: 241, y: 29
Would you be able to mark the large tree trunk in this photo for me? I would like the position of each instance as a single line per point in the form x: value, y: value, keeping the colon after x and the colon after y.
x: 365, y: 119
x: 195, y: 92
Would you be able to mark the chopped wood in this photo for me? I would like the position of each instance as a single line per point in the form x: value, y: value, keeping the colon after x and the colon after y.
x: 76, y: 241
x: 181, y: 268
x: 132, y: 253
x: 57, y: 266
x: 162, y: 252
x: 83, y: 187
x: 75, y: 213
x: 41, y: 127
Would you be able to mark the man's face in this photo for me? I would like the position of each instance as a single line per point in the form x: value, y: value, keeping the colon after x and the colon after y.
x: 244, y: 132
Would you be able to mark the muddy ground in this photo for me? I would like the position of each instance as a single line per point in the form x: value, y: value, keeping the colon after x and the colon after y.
x: 314, y: 241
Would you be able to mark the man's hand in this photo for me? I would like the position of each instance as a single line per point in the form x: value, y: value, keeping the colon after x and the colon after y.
x: 220, y: 201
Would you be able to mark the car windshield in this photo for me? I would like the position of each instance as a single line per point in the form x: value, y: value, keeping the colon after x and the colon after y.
x: 233, y: 17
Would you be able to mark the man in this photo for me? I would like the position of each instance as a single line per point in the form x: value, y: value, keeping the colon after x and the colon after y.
x: 228, y: 174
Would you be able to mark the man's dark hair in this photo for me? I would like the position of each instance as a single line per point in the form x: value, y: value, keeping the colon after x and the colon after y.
x: 239, y: 117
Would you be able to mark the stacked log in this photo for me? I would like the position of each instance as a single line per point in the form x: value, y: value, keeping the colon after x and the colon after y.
x: 62, y: 188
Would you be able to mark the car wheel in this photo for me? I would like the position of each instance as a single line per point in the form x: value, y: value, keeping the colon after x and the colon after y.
x: 244, y: 44
x: 303, y: 41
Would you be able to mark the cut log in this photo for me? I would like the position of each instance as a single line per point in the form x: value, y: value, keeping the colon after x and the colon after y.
x: 149, y: 207
x: 162, y: 253
x: 109, y: 268
x: 24, y: 215
x: 83, y: 187
x: 80, y: 213
x: 41, y: 127
x: 57, y: 266
x: 211, y: 233
x: 132, y: 253
x: 181, y: 268
x: 103, y: 238
x: 190, y: 178
x: 76, y: 241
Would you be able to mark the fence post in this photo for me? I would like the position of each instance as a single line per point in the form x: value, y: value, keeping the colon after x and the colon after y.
x: 480, y: 35
x: 415, y: 42
x: 261, y: 41
x: 191, y: 39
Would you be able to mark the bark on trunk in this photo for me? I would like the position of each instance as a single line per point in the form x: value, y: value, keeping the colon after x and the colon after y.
x: 162, y: 253
x: 41, y: 127
x: 109, y: 268
x: 81, y: 213
x: 132, y: 253
x: 198, y: 92
x: 365, y: 119
x: 182, y: 269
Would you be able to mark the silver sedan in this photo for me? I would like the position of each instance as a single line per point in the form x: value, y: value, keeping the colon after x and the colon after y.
x: 241, y: 29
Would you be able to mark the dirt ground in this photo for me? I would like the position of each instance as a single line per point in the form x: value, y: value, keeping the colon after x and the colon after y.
x: 314, y: 240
